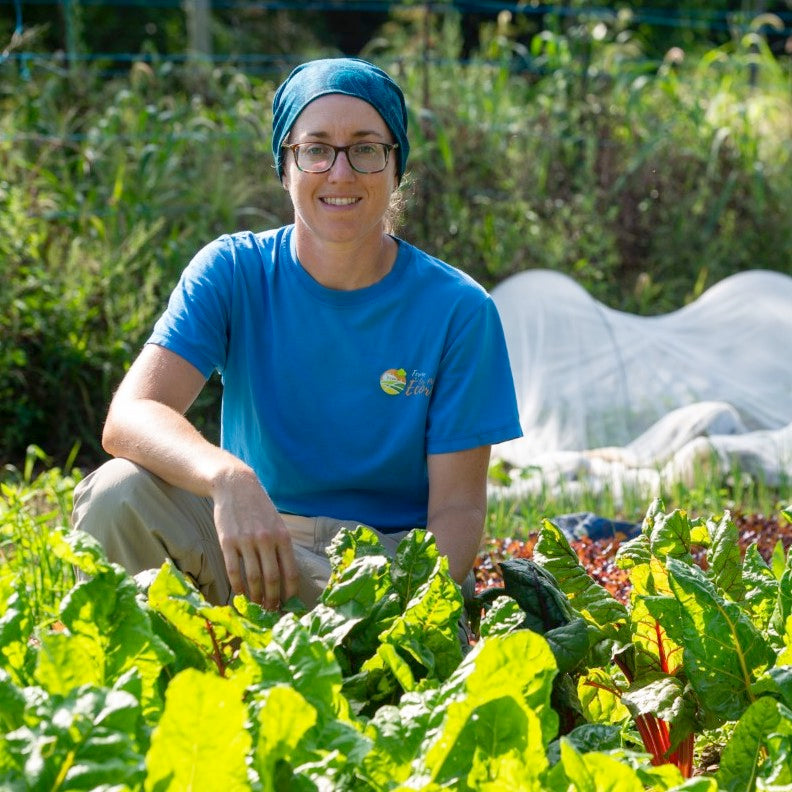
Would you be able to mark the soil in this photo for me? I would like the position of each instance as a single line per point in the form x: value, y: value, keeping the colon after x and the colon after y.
x: 597, y: 556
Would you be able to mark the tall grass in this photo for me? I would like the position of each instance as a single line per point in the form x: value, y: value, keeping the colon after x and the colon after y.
x: 647, y: 182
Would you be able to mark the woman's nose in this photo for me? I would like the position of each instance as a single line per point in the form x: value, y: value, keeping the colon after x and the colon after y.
x: 341, y: 167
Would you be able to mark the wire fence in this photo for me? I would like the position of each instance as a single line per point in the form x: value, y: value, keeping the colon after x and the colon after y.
x: 198, y: 13
x: 692, y: 19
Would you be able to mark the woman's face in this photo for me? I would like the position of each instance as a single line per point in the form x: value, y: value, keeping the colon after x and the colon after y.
x: 340, y: 205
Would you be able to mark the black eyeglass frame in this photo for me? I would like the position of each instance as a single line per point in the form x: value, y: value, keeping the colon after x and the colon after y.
x: 293, y: 147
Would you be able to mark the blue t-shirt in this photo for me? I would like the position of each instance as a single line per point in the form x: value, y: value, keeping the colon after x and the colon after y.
x: 335, y: 397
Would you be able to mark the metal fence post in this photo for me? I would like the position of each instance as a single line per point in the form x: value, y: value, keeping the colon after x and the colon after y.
x: 198, y: 13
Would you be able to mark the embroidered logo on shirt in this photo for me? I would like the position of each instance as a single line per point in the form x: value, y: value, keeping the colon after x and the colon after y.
x: 395, y: 381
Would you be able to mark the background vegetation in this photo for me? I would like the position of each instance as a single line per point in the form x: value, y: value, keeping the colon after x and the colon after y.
x: 647, y: 161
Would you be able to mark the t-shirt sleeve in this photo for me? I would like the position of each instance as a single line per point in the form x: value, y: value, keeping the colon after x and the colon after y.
x: 473, y: 401
x: 195, y: 324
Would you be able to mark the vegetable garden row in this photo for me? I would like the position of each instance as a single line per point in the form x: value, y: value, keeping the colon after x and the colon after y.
x: 118, y: 683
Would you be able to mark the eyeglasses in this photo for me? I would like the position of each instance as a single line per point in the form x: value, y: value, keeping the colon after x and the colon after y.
x: 320, y: 157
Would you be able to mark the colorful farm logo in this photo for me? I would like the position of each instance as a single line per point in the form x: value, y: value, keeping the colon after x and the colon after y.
x: 393, y: 381
x: 396, y: 381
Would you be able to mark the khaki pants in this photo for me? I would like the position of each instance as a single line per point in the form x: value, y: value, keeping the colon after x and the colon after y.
x: 141, y: 520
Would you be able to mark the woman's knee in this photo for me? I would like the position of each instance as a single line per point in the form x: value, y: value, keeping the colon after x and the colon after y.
x: 102, y: 497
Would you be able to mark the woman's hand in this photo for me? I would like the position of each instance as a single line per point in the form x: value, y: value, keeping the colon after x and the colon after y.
x: 256, y: 545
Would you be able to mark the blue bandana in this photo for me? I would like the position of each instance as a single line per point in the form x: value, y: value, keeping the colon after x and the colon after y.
x: 349, y: 76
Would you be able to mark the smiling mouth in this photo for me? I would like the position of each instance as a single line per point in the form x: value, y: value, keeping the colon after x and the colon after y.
x: 340, y: 201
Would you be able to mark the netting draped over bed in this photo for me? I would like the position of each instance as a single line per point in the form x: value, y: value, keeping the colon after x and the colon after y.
x: 596, y: 385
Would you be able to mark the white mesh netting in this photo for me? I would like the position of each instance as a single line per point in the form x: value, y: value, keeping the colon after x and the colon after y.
x: 607, y: 397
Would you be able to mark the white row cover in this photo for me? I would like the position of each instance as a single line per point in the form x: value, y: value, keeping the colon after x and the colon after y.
x: 606, y: 396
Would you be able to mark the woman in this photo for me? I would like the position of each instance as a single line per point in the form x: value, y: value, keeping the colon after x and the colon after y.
x: 363, y: 381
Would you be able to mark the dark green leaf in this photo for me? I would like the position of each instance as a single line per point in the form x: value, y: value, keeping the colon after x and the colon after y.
x: 538, y: 594
x: 591, y: 600
x: 569, y: 644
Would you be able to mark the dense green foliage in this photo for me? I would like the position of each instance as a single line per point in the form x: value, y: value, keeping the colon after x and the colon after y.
x: 113, y: 681
x: 647, y: 181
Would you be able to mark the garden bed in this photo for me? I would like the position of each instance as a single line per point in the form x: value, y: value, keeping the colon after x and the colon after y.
x: 597, y: 555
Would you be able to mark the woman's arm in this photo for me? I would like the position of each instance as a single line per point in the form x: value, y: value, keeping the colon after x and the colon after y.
x: 458, y: 505
x: 146, y: 424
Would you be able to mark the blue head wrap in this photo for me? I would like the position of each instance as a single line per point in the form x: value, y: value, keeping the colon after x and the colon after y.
x: 350, y: 76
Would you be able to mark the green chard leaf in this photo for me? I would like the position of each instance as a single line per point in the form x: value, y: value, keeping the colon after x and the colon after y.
x: 760, y: 748
x: 778, y: 559
x: 785, y: 655
x: 427, y: 629
x: 347, y: 546
x: 761, y: 587
x: 396, y: 733
x: 296, y: 681
x: 201, y: 740
x: 503, y: 616
x: 776, y: 682
x: 588, y: 737
x: 724, y: 558
x: 597, y: 772
x: 669, y: 535
x: 655, y: 652
x: 12, y: 703
x: 82, y: 551
x: 783, y: 604
x: 480, y: 713
x: 415, y: 562
x: 591, y: 600
x: 214, y: 632
x: 666, y: 698
x: 697, y: 784
x: 362, y: 591
x: 301, y: 660
x: 723, y: 651
x: 634, y: 553
x: 87, y: 740
x: 17, y: 656
x: 600, y: 697
x: 105, y: 633
x: 284, y: 718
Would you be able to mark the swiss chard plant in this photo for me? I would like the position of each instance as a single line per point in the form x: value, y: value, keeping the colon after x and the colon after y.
x: 114, y: 682
x: 703, y: 642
